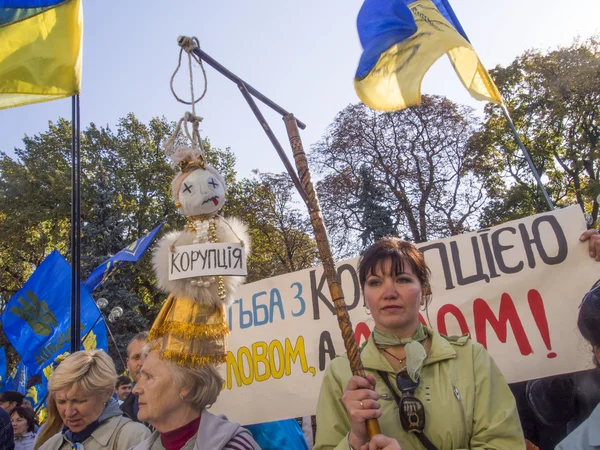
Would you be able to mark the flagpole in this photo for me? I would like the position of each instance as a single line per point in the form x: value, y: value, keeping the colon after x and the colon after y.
x: 75, y: 227
x: 519, y: 142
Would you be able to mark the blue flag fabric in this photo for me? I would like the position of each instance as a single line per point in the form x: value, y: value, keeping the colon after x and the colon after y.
x: 37, y: 318
x: 131, y: 253
x: 2, y: 368
x: 279, y: 434
x: 17, y: 381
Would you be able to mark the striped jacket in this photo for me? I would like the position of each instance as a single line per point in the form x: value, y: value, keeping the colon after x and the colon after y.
x: 214, y: 433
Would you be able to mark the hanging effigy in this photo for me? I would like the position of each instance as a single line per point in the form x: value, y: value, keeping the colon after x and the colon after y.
x: 200, y: 266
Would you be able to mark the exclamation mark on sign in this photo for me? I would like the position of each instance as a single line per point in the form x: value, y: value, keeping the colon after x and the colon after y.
x: 536, y: 304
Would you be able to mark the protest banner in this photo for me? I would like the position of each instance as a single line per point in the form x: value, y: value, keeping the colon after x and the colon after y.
x: 514, y: 288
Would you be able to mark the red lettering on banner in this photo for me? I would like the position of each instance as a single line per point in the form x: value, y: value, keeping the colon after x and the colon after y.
x: 536, y: 304
x: 361, y: 330
x: 422, y: 320
x: 508, y: 314
x: 458, y: 315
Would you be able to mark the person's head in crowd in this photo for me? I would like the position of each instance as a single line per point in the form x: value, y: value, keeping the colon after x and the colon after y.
x: 588, y: 321
x: 9, y: 400
x: 27, y: 404
x: 171, y: 395
x: 135, y: 355
x: 23, y: 421
x: 123, y: 387
x: 392, y: 258
x: 78, y: 391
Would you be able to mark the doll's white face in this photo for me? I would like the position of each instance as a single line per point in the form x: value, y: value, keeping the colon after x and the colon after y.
x: 201, y: 193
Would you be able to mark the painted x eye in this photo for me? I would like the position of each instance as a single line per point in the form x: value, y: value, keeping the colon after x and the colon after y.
x: 187, y: 188
x: 213, y: 183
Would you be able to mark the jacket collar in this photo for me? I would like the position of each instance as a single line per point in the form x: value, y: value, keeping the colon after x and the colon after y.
x: 104, y: 432
x: 440, y: 350
x: 593, y: 428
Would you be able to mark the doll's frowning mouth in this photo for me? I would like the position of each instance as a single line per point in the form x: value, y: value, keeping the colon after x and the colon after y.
x: 214, y: 199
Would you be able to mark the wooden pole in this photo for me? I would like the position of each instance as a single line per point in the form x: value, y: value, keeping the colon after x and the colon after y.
x: 333, y: 280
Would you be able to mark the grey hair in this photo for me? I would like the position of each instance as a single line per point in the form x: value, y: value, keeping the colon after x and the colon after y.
x: 205, y: 383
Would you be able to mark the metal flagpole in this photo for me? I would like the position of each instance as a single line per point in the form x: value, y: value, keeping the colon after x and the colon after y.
x: 75, y: 227
x: 527, y: 156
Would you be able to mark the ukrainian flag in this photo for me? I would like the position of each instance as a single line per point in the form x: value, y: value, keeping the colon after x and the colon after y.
x: 401, y: 41
x: 40, y: 50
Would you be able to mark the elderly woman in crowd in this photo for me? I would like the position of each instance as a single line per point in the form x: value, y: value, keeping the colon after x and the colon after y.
x: 23, y: 423
x: 174, y: 400
x: 587, y: 435
x: 427, y: 390
x: 81, y: 409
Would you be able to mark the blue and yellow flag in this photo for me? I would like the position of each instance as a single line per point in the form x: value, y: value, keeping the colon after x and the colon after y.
x: 401, y: 40
x: 132, y: 253
x: 40, y: 50
x: 17, y: 380
x: 37, y: 318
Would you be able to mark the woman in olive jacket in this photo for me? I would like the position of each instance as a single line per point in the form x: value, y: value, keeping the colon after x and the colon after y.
x: 466, y: 401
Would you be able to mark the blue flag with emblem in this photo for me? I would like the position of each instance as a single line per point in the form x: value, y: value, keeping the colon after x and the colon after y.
x: 2, y: 368
x: 131, y: 253
x: 36, y: 320
x: 17, y: 380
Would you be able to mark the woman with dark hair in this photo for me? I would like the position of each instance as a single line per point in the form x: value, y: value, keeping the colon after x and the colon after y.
x: 427, y: 390
x: 587, y: 435
x: 23, y: 423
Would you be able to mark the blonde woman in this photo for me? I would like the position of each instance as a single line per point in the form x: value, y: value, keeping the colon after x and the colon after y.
x: 81, y: 409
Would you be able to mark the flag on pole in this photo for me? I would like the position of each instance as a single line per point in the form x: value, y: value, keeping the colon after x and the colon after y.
x: 17, y: 380
x: 401, y: 40
x: 40, y: 50
x: 132, y: 253
x: 37, y: 318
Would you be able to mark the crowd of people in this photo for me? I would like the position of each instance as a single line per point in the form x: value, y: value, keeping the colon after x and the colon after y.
x: 427, y: 391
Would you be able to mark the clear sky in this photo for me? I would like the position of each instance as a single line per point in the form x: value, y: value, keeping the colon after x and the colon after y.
x: 301, y: 54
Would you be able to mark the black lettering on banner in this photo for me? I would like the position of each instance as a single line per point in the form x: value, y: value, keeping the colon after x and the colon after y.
x: 173, y: 261
x: 237, y: 254
x: 317, y: 294
x: 229, y: 256
x: 203, y: 257
x: 499, y: 249
x: 185, y: 265
x: 444, y: 258
x: 325, y: 348
x: 195, y: 257
x: 528, y: 242
x: 212, y: 258
x: 487, y: 250
x: 350, y: 268
x: 221, y: 259
x: 479, y: 275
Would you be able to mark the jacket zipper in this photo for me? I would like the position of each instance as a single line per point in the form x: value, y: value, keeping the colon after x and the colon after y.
x: 462, y: 409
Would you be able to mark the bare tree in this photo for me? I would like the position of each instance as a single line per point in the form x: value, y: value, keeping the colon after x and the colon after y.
x: 419, y: 161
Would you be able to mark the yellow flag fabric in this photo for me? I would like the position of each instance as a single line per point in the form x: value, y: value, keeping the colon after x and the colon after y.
x: 394, y: 82
x: 40, y: 56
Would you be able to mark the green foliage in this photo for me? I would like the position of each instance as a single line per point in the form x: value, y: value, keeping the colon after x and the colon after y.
x: 281, y: 234
x: 554, y: 99
x: 126, y: 192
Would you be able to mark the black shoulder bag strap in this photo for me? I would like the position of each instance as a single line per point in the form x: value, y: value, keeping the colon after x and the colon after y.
x: 420, y: 435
